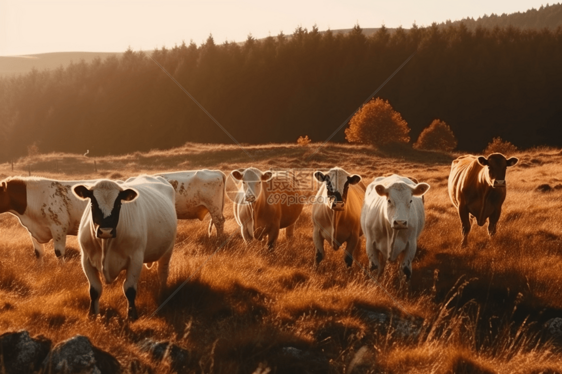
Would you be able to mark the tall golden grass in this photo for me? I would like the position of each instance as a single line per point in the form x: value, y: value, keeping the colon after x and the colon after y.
x: 473, y: 310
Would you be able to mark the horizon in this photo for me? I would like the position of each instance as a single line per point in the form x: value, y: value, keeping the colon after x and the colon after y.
x: 29, y: 28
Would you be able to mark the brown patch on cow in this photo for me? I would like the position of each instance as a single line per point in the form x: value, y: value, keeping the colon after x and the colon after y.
x: 174, y: 184
x: 201, y: 212
x: 14, y: 196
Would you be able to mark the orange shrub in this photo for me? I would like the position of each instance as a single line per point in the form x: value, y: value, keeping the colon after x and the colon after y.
x: 376, y: 123
x: 500, y: 146
x: 437, y: 137
x: 302, y: 141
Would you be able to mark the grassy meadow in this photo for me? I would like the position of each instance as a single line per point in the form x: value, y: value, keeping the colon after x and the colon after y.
x: 480, y: 309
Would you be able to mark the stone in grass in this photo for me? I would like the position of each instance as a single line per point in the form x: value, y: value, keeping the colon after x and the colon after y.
x: 78, y: 355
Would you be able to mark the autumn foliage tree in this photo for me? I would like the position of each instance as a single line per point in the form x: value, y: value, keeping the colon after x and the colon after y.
x: 378, y: 124
x: 501, y: 146
x: 437, y: 137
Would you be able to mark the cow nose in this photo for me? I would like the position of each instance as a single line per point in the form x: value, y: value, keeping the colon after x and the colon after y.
x: 105, y: 233
x: 400, y: 224
x: 250, y: 198
x: 499, y: 183
x: 338, y: 205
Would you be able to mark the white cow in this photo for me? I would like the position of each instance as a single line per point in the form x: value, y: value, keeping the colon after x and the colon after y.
x: 199, y: 192
x: 127, y: 224
x: 45, y: 207
x: 392, y: 219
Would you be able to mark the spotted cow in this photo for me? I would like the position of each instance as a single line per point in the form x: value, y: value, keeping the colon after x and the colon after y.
x: 47, y: 208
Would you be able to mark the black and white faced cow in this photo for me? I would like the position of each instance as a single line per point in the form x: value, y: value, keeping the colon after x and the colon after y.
x: 392, y: 219
x: 336, y: 213
x: 125, y: 225
x: 45, y: 207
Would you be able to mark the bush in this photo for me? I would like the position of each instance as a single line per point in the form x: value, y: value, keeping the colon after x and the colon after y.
x: 500, y: 146
x: 437, y: 137
x: 376, y: 123
x: 303, y: 141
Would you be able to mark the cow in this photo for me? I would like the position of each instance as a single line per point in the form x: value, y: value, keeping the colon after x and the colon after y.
x: 392, y: 219
x: 199, y: 192
x: 265, y: 204
x: 477, y: 188
x: 47, y: 208
x: 125, y: 225
x: 336, y: 212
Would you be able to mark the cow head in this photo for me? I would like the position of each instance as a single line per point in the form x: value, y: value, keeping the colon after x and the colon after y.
x: 106, y: 198
x: 13, y: 196
x: 497, y: 167
x: 337, y: 183
x: 252, y: 182
x: 398, y: 201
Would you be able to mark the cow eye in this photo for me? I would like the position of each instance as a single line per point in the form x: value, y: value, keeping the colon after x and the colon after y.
x: 389, y: 201
x: 410, y: 201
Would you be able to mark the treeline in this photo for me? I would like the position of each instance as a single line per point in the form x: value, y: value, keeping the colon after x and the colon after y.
x: 483, y: 83
x: 549, y: 16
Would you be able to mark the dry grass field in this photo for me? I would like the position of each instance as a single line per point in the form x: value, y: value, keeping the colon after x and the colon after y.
x: 480, y: 309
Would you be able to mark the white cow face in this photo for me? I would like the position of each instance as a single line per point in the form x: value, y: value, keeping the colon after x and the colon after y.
x: 252, y: 182
x: 337, y: 183
x: 497, y: 167
x: 106, y: 198
x: 398, y: 201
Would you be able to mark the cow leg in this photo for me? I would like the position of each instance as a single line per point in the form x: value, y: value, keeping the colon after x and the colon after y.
x: 95, y: 285
x: 493, y: 221
x: 465, y: 221
x: 37, y: 247
x: 164, y: 269
x: 130, y: 284
x: 290, y: 231
x: 372, y: 253
x: 59, y: 239
x: 217, y: 219
x: 246, y: 235
x: 318, y: 244
x: 352, y: 243
x: 272, y: 237
x: 410, y: 252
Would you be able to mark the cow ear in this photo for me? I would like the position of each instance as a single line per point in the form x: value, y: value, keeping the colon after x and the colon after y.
x: 320, y: 177
x: 128, y: 195
x: 354, y: 179
x: 381, y: 190
x: 82, y: 192
x: 237, y: 174
x: 482, y: 161
x: 512, y: 161
x: 420, y: 189
x: 266, y: 176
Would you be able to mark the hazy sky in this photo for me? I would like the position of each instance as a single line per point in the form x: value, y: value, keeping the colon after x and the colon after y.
x: 28, y: 27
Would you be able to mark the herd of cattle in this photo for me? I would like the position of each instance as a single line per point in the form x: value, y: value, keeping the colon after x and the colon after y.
x: 122, y: 224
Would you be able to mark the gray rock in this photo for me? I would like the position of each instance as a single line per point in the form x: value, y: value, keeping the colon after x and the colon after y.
x: 77, y: 355
x: 177, y: 357
x: 403, y: 328
x: 553, y: 329
x: 318, y: 361
x: 21, y: 353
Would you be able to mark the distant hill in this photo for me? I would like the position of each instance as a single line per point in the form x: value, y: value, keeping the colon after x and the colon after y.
x: 549, y: 16
x: 12, y: 65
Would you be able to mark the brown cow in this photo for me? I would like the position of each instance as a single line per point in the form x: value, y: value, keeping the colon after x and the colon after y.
x: 265, y: 204
x: 477, y: 187
x: 336, y: 213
